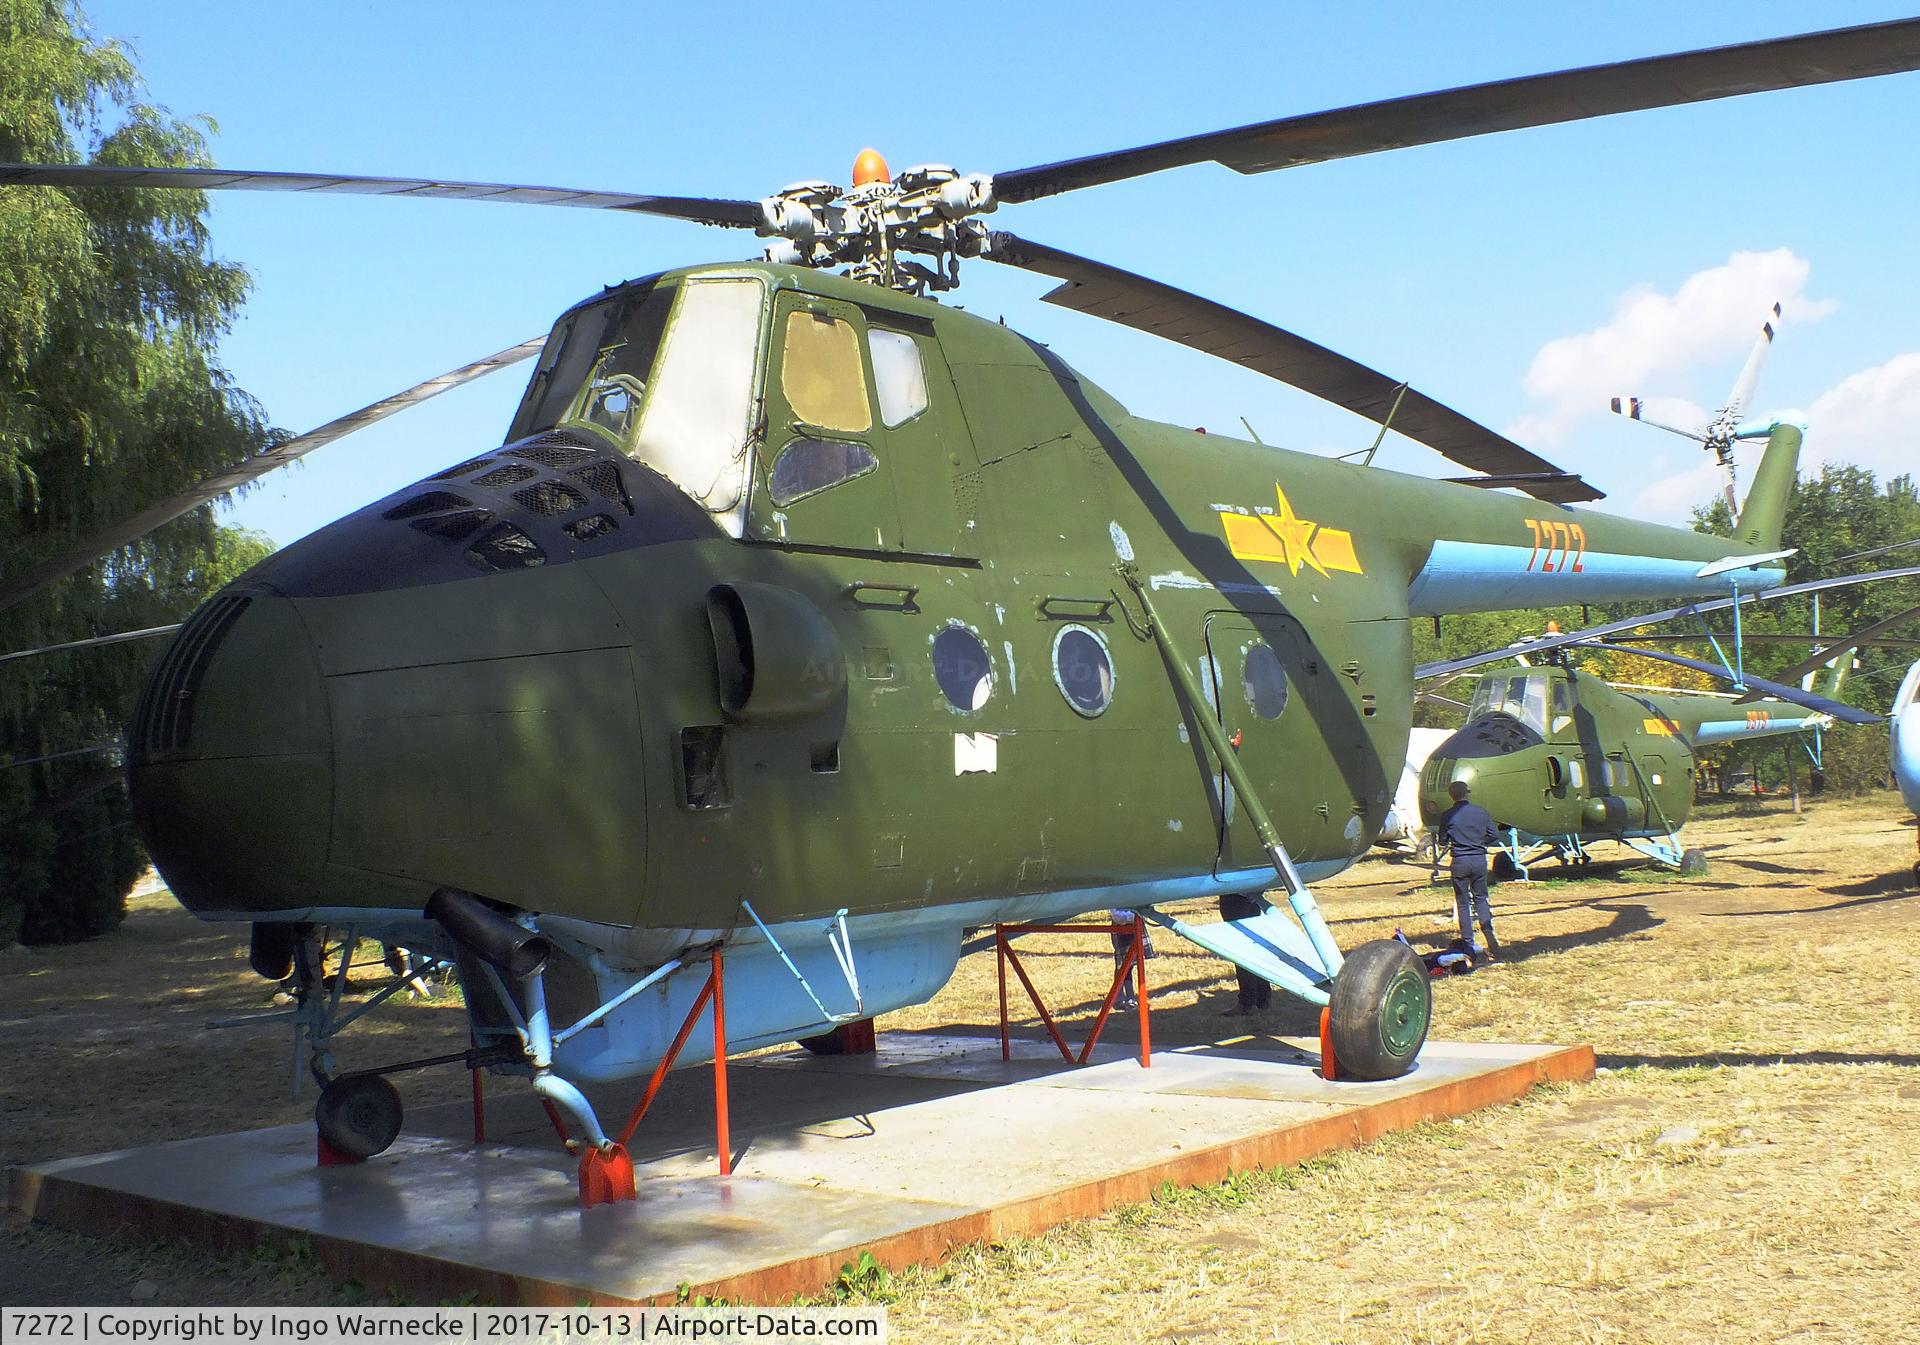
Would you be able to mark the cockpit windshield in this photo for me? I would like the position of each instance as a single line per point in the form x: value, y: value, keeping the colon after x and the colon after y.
x: 1523, y: 696
x: 667, y: 374
x: 599, y: 350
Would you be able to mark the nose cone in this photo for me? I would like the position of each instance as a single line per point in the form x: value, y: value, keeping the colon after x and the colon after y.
x: 1483, y: 752
x: 1906, y: 754
x: 229, y: 762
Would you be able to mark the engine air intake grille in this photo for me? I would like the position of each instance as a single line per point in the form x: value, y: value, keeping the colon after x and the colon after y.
x: 432, y: 502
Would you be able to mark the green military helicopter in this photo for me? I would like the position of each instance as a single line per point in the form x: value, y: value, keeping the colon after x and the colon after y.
x: 1564, y: 760
x: 802, y: 618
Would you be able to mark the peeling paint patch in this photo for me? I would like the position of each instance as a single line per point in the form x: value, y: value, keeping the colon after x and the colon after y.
x: 1013, y: 673
x: 1181, y: 729
x: 1122, y: 544
x: 976, y: 753
x: 1173, y: 823
x: 1179, y: 579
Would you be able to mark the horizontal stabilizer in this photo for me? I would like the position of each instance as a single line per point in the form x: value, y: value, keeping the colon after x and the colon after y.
x: 1269, y: 945
x: 1727, y: 564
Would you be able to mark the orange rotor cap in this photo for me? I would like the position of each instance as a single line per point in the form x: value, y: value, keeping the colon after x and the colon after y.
x: 870, y: 167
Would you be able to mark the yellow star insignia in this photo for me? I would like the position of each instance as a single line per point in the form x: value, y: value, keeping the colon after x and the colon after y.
x: 1291, y: 540
x: 1295, y: 534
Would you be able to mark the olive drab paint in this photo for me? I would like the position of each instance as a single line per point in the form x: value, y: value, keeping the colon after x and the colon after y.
x: 577, y: 684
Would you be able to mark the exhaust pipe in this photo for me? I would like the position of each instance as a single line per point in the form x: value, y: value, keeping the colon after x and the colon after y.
x: 518, y: 952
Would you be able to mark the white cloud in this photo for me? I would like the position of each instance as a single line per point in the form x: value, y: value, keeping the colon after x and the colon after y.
x: 1673, y: 498
x: 1653, y: 339
x: 1871, y: 418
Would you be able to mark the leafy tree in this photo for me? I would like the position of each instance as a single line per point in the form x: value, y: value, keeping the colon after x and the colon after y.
x: 110, y: 397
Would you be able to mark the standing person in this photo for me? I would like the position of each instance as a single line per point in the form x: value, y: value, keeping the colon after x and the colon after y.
x: 1126, y: 1000
x: 1255, y: 994
x: 1466, y: 829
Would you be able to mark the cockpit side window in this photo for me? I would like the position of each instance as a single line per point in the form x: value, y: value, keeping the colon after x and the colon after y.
x: 611, y: 343
x: 899, y: 375
x: 822, y: 374
x: 698, y: 417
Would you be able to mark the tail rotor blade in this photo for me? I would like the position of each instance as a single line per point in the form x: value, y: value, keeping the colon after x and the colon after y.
x: 1750, y: 375
x: 1635, y: 408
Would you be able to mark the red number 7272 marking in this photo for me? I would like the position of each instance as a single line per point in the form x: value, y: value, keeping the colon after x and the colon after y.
x: 1566, y: 540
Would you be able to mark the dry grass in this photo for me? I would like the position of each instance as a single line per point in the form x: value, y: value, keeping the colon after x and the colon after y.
x: 1771, y: 1006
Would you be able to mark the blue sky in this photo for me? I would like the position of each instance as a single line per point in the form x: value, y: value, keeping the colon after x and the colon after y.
x: 1647, y: 246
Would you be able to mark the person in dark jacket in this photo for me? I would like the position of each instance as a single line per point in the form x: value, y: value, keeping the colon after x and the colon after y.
x: 1255, y: 994
x: 1466, y: 829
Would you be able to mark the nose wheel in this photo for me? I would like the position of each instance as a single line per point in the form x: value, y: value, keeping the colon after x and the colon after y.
x: 1381, y: 1007
x: 358, y: 1115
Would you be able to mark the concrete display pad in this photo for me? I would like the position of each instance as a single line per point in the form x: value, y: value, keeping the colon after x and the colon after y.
x: 930, y: 1143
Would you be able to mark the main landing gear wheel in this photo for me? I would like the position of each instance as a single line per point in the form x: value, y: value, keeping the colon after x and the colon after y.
x: 359, y: 1115
x: 1693, y: 863
x: 1382, y: 1005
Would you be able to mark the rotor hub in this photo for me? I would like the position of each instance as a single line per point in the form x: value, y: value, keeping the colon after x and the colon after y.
x: 873, y: 227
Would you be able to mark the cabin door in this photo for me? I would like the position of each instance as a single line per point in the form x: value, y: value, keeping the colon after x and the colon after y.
x: 1275, y: 695
x: 823, y: 477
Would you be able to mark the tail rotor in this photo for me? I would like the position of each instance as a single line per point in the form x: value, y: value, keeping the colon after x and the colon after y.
x: 1726, y: 427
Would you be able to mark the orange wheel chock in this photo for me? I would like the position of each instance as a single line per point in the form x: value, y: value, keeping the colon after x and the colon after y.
x: 1329, y: 1067
x: 605, y: 1176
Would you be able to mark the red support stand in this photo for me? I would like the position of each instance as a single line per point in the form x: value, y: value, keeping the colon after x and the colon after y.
x: 332, y: 1157
x: 1329, y: 1067
x: 608, y: 1175
x: 1132, y: 963
x: 722, y: 1131
x: 856, y: 1038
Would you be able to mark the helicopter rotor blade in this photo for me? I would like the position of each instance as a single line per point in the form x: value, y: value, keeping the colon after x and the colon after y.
x: 1846, y: 714
x: 1502, y: 105
x: 699, y: 209
x: 1150, y: 306
x: 130, y: 529
x: 1540, y: 644
x: 151, y: 632
x: 1750, y: 373
x: 1847, y: 645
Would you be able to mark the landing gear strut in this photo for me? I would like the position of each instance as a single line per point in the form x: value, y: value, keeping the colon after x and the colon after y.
x: 1381, y: 1008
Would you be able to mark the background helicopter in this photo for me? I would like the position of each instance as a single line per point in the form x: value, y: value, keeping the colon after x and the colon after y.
x: 637, y: 578
x: 1564, y: 760
x: 1906, y: 748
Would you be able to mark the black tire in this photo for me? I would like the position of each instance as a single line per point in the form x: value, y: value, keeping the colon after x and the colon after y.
x: 827, y: 1043
x: 270, y: 953
x: 1382, y: 1006
x: 1503, y: 869
x: 359, y: 1115
x: 1916, y: 873
x: 1693, y: 863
